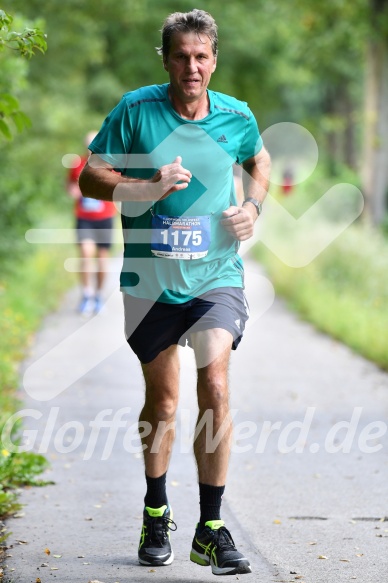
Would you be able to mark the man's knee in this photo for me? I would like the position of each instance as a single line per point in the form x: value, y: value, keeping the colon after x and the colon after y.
x: 212, y: 391
x: 161, y: 408
x: 87, y: 248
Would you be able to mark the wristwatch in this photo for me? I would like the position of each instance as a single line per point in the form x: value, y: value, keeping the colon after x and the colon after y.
x: 256, y: 203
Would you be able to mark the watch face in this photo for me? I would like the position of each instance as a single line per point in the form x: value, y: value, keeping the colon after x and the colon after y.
x: 255, y: 202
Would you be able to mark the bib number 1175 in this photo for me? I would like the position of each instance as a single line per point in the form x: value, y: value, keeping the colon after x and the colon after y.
x: 182, y: 238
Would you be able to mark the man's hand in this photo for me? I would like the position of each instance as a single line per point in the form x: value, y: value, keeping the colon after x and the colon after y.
x: 239, y: 221
x: 167, y: 177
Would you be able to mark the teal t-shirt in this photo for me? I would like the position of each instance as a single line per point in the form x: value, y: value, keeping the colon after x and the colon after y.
x: 176, y: 249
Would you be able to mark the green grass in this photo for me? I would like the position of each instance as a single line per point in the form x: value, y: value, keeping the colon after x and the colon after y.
x: 343, y: 292
x: 27, y: 292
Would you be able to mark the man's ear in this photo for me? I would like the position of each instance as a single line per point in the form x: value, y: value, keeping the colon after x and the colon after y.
x: 215, y: 65
x: 165, y: 65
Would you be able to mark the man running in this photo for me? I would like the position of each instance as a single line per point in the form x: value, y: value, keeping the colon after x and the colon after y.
x: 182, y: 280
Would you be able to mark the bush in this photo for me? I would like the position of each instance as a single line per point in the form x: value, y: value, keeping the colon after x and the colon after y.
x: 42, y: 274
x: 343, y: 291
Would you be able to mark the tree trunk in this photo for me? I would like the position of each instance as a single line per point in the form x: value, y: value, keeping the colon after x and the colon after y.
x: 375, y: 157
x: 349, y: 135
x: 341, y: 144
x: 332, y: 134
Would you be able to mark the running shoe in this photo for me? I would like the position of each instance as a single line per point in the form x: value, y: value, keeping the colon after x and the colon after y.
x: 214, y: 546
x: 98, y: 304
x: 86, y: 307
x: 155, y: 548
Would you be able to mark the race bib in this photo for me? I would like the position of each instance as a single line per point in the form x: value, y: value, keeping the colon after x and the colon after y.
x: 180, y: 237
x: 91, y: 205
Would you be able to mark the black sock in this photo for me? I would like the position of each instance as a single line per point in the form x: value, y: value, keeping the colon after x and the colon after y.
x: 210, y: 498
x: 156, y: 495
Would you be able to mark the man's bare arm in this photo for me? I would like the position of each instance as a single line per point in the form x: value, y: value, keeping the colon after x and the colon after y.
x: 98, y: 181
x: 256, y: 176
x: 239, y: 221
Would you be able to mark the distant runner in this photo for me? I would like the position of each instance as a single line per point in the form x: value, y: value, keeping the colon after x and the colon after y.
x: 94, y: 223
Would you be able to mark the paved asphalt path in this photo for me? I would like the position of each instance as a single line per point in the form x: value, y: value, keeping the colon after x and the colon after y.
x: 305, y: 498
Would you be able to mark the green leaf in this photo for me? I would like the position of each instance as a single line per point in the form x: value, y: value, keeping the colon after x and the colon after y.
x: 4, y: 129
x: 26, y: 42
x: 5, y: 20
x: 8, y: 102
x: 21, y: 120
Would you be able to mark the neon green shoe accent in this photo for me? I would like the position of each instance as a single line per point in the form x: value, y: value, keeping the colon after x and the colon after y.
x: 215, y: 524
x: 196, y: 558
x: 142, y: 536
x: 155, y: 512
x: 207, y: 548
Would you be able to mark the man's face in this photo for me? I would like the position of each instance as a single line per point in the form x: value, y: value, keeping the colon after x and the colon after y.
x: 190, y: 65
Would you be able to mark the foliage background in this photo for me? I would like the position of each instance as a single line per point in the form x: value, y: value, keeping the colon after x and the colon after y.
x: 296, y: 62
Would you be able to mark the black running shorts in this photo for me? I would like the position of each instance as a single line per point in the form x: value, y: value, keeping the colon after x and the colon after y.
x: 99, y: 231
x: 151, y: 327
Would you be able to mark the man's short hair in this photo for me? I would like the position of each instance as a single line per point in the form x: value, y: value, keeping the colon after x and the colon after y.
x: 197, y: 21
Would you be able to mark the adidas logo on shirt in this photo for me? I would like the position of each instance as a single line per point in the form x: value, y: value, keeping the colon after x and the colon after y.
x: 222, y: 139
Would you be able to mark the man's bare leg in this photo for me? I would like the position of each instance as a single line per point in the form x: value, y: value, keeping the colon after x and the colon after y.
x: 102, y: 260
x: 213, y: 403
x: 212, y: 543
x: 87, y: 249
x: 161, y: 399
